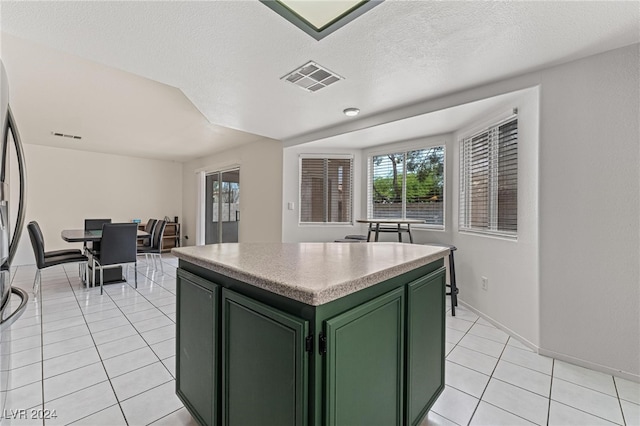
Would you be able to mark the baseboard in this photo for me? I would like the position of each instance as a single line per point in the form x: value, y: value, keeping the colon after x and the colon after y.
x: 551, y: 354
x: 590, y: 365
x: 502, y: 327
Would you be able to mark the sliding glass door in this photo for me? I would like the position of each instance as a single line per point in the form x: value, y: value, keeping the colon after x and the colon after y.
x: 222, y: 206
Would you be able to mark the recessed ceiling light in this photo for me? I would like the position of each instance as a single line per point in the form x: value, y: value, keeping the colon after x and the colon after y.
x: 351, y: 112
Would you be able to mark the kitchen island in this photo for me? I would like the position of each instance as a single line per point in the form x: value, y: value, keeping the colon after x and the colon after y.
x: 310, y: 333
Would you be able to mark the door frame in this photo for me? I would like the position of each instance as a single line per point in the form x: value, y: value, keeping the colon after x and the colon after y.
x: 201, y: 175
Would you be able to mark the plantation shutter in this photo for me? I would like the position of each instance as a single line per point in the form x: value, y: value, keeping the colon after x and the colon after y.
x: 326, y: 187
x: 508, y: 177
x: 489, y: 180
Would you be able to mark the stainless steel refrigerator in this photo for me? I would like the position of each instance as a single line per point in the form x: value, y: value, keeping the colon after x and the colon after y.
x: 13, y: 300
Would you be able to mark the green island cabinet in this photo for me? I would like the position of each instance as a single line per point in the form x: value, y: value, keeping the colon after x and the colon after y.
x: 254, y: 348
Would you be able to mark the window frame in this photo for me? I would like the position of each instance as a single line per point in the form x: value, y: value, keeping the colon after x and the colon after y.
x: 404, y: 148
x: 326, y: 157
x: 486, y: 126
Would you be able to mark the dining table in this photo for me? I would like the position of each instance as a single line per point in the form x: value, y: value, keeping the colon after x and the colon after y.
x: 378, y: 225
x: 111, y: 275
x: 81, y: 235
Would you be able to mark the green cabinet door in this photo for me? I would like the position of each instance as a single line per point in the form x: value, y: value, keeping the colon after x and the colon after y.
x: 425, y: 344
x: 364, y: 370
x: 264, y: 364
x: 196, y: 354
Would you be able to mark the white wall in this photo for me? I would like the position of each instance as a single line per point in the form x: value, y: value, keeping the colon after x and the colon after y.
x: 511, y: 266
x: 292, y: 231
x: 66, y: 186
x: 590, y: 210
x: 571, y: 284
x: 260, y: 190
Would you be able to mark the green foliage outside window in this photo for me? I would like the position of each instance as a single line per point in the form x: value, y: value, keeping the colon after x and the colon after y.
x: 424, y: 174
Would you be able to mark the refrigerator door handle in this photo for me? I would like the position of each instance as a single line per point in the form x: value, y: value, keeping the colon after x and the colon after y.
x: 17, y: 232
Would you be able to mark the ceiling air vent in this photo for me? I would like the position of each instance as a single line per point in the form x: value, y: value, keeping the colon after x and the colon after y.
x: 312, y: 77
x: 64, y: 135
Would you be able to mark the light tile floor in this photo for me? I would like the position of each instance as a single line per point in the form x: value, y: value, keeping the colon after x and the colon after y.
x: 109, y: 360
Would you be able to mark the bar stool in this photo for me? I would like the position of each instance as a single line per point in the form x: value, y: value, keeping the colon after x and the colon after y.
x: 452, y: 277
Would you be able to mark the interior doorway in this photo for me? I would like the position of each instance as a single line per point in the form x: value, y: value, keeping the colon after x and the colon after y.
x: 222, y: 206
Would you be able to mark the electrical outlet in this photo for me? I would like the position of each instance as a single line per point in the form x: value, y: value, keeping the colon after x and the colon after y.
x: 485, y: 283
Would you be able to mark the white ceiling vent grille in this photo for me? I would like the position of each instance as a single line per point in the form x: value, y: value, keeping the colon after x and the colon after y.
x: 312, y: 77
x: 64, y: 135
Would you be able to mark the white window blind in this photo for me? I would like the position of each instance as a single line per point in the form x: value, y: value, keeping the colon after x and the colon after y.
x: 326, y: 190
x: 408, y: 185
x: 489, y: 180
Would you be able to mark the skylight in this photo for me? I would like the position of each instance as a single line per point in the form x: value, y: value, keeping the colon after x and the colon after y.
x: 320, y: 18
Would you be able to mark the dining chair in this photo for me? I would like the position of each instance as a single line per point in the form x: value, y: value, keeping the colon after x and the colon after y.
x: 148, y: 228
x: 151, y: 223
x: 51, y: 258
x: 63, y: 252
x: 117, y: 247
x: 93, y: 225
x: 38, y: 232
x: 155, y: 249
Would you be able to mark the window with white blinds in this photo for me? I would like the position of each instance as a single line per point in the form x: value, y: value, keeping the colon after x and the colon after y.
x: 326, y: 189
x: 489, y: 180
x: 408, y: 185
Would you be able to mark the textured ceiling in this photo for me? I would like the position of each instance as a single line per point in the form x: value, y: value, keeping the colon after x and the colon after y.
x: 115, y: 112
x: 227, y: 57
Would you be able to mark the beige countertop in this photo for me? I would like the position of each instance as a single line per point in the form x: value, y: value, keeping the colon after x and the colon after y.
x: 311, y: 273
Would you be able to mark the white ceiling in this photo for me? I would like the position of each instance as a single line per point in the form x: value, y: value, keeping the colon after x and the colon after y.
x: 439, y: 122
x: 227, y: 57
x: 113, y: 111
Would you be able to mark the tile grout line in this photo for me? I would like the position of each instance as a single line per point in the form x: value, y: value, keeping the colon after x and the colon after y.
x: 147, y: 343
x: 445, y: 359
x: 615, y: 386
x: 138, y: 333
x: 101, y: 360
x: 454, y: 346
x: 490, y: 377
x: 552, y: 377
x: 553, y: 367
x: 588, y: 388
x: 68, y: 284
x: 586, y: 412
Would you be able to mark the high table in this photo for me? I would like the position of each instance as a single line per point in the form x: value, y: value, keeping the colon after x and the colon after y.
x: 399, y: 229
x: 81, y: 236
